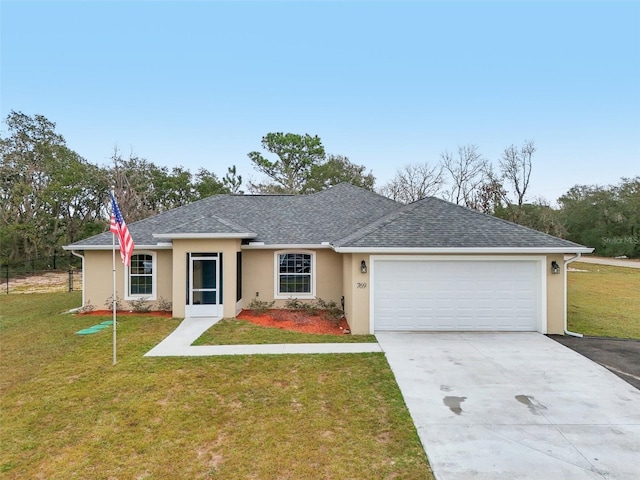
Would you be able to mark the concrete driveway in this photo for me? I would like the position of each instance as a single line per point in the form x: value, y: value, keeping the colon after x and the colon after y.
x: 515, y: 406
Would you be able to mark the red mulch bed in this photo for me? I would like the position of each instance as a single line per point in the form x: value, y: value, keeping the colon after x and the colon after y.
x: 298, y: 321
x: 127, y: 313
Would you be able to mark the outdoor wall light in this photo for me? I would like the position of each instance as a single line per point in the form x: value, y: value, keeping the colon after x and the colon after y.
x: 555, y: 268
x: 363, y: 266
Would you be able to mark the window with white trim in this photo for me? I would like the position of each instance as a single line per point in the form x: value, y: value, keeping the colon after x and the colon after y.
x: 140, y: 278
x: 295, y: 275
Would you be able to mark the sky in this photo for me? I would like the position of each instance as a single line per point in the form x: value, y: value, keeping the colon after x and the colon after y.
x: 198, y: 83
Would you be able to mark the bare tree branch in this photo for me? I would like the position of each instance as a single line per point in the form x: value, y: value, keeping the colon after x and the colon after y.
x: 515, y: 166
x: 467, y: 173
x: 414, y: 182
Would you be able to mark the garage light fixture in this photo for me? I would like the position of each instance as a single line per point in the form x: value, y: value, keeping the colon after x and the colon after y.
x: 555, y: 268
x: 363, y: 266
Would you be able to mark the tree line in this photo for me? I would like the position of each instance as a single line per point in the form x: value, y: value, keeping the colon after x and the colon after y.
x: 52, y: 196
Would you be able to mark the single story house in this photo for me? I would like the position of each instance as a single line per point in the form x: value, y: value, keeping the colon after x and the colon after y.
x: 427, y: 266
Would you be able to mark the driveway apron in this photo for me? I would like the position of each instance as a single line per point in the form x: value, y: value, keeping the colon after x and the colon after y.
x: 515, y: 406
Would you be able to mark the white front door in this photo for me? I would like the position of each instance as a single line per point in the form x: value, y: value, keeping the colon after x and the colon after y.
x: 204, y: 287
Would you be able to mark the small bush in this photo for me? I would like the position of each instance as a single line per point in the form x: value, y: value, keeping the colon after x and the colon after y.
x: 140, y: 305
x: 87, y: 308
x: 333, y: 310
x: 164, y: 305
x: 258, y: 307
x: 294, y: 304
x: 109, y: 303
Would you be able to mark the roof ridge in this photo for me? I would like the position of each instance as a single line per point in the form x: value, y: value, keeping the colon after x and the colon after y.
x: 378, y: 223
x: 232, y: 225
x: 352, y: 187
x: 236, y: 226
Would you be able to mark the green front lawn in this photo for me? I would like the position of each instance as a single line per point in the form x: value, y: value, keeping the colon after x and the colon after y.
x: 66, y: 412
x: 604, y: 300
x: 230, y: 331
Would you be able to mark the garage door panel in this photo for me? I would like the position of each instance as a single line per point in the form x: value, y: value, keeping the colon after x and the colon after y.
x: 456, y: 295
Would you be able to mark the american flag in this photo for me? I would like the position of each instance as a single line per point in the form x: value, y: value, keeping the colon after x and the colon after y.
x: 119, y: 228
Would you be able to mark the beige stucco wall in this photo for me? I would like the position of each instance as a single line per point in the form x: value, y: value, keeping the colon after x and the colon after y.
x: 357, y: 289
x: 555, y: 296
x: 258, y: 278
x: 98, y: 279
x: 228, y: 248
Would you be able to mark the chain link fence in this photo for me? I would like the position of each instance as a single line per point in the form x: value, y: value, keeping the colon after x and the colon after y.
x: 55, y: 273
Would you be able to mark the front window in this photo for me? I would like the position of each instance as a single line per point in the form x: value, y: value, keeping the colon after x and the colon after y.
x: 294, y: 274
x: 141, y: 276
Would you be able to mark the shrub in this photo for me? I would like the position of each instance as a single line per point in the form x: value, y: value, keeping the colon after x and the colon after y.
x: 258, y: 307
x: 333, y: 310
x: 87, y: 308
x: 164, y: 305
x: 109, y: 303
x: 294, y: 304
x: 140, y: 305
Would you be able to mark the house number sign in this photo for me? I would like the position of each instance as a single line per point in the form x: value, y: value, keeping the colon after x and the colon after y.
x: 361, y: 285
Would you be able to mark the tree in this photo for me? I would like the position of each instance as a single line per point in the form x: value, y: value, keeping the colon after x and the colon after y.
x: 491, y: 195
x: 414, y: 182
x: 290, y: 172
x: 606, y: 218
x: 144, y: 189
x: 232, y: 181
x: 338, y: 169
x: 208, y: 184
x: 467, y: 173
x: 515, y: 166
x: 138, y: 186
x: 49, y: 194
x: 538, y: 215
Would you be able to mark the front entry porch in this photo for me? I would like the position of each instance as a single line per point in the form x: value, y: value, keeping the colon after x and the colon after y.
x: 204, y: 285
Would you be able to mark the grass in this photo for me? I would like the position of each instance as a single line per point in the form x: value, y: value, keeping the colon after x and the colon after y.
x: 68, y: 413
x: 230, y: 331
x: 604, y: 301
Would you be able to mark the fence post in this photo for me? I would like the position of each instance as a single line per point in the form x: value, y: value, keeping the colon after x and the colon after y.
x: 71, y: 279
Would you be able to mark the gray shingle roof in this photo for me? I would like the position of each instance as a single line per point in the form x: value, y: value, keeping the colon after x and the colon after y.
x: 275, y: 219
x: 344, y: 215
x: 435, y: 223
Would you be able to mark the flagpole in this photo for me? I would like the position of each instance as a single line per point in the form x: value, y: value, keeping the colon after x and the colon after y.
x: 113, y: 258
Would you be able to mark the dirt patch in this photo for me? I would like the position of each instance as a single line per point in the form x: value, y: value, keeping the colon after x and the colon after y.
x: 126, y: 313
x: 298, y: 321
x: 43, y: 283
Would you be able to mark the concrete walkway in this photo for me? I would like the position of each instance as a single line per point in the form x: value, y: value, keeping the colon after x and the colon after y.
x: 178, y: 344
x: 515, y: 406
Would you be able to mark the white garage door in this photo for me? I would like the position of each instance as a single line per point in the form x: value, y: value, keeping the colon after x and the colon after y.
x: 457, y: 295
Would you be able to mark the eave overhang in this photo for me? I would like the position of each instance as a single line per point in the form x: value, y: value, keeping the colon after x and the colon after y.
x: 465, y: 250
x: 285, y: 246
x: 163, y: 246
x: 191, y: 236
